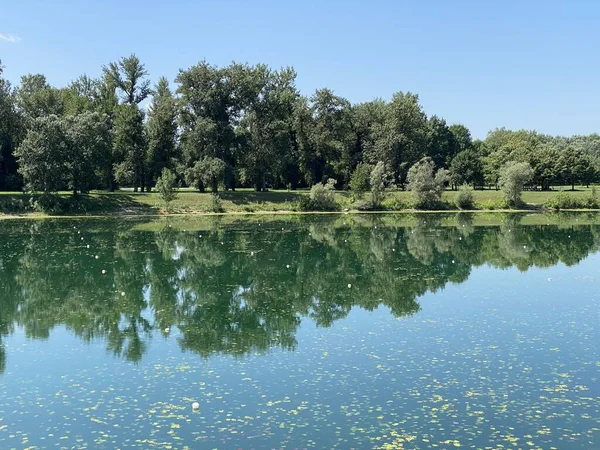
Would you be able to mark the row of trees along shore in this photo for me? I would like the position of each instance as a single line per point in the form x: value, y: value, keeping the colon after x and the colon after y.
x: 248, y: 126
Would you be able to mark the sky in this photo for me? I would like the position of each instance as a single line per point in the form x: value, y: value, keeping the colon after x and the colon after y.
x: 529, y: 64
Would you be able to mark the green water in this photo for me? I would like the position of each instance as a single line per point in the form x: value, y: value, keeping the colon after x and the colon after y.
x: 343, y: 332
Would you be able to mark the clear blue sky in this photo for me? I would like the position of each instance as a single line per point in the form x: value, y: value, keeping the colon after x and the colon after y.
x: 520, y: 64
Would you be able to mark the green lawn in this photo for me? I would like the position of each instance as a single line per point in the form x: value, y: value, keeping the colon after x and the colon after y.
x: 246, y: 200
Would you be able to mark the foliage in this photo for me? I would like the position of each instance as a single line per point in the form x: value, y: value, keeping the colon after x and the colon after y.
x: 161, y: 131
x: 128, y: 75
x: 216, y: 205
x: 513, y: 176
x: 90, y: 143
x: 565, y: 200
x: 464, y: 199
x: 209, y: 171
x: 44, y: 155
x: 245, y: 125
x: 129, y: 146
x: 321, y: 197
x: 360, y: 180
x: 166, y: 185
x: 378, y: 181
x: 425, y: 184
x: 466, y: 168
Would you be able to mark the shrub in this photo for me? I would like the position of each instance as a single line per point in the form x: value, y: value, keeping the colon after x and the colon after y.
x: 12, y: 205
x: 166, y: 185
x: 378, y: 180
x: 426, y: 186
x: 360, y: 180
x: 48, y: 203
x: 464, y: 198
x: 513, y: 176
x: 321, y: 198
x: 216, y: 205
x: 564, y: 200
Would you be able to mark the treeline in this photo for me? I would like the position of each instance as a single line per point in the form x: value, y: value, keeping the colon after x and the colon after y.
x: 247, y: 126
x: 107, y: 281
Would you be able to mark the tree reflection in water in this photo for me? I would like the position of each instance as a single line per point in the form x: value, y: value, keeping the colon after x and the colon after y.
x: 228, y: 288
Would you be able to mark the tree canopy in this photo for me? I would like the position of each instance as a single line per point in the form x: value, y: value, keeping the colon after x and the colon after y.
x: 245, y: 125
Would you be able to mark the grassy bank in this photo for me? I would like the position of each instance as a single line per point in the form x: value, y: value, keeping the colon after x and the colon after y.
x: 247, y: 201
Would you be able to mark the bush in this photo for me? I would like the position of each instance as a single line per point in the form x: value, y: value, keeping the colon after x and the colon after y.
x: 464, y: 199
x: 360, y: 180
x: 426, y: 187
x: 321, y: 198
x: 493, y: 204
x: 216, y: 204
x: 378, y: 180
x: 564, y: 200
x: 513, y: 176
x: 12, y: 205
x: 166, y: 186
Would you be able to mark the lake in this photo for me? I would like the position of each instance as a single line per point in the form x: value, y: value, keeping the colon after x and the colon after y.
x: 342, y: 331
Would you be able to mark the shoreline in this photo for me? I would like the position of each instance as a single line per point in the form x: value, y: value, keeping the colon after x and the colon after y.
x: 37, y: 216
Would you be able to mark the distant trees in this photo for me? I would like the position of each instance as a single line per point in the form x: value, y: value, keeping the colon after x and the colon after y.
x: 248, y: 126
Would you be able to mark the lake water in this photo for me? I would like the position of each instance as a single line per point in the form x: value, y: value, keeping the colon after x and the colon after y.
x: 306, y: 332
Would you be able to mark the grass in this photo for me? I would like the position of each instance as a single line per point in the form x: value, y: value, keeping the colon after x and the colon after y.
x: 126, y: 202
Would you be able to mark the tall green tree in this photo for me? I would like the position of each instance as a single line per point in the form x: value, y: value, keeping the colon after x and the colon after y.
x: 333, y: 136
x: 89, y: 147
x: 208, y: 111
x: 43, y: 155
x: 36, y: 98
x: 462, y: 136
x: 401, y: 139
x: 467, y: 168
x: 162, y: 131
x: 268, y: 124
x: 129, y: 147
x: 442, y: 145
x: 574, y: 166
x: 129, y: 76
x: 10, y: 132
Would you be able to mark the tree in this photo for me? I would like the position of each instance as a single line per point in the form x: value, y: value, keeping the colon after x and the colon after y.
x: 210, y: 100
x: 574, y: 166
x: 129, y: 146
x: 401, y: 139
x: 425, y: 184
x: 166, y: 185
x: 466, y: 168
x: 462, y: 136
x: 209, y: 171
x: 441, y: 142
x: 544, y: 162
x: 83, y: 94
x: 10, y: 131
x: 162, y: 132
x: 43, y: 155
x: 513, y: 176
x: 89, y: 142
x: 129, y: 76
x: 378, y: 181
x: 360, y: 180
x: 266, y: 128
x: 332, y: 135
x: 36, y: 98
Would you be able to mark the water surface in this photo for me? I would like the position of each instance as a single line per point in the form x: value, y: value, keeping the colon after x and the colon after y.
x: 344, y: 332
